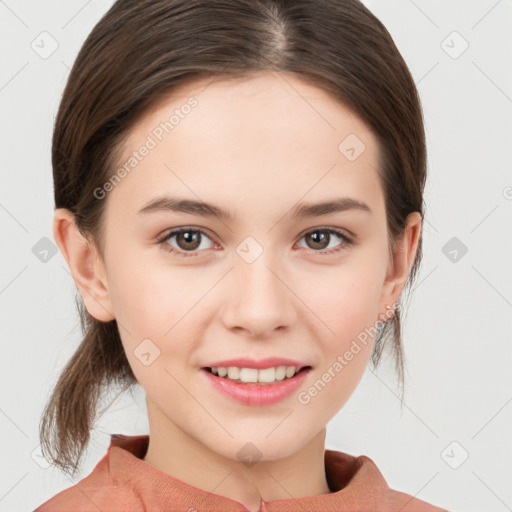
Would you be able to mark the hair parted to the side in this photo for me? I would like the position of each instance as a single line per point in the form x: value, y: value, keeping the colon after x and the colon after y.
x: 138, y: 54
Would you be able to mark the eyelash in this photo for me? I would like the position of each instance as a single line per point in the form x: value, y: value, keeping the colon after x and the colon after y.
x: 168, y: 248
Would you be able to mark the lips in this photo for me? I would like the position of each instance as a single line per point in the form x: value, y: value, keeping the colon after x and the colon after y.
x: 256, y: 394
x: 244, y: 362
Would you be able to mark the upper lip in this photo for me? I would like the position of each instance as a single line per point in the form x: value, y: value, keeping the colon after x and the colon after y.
x: 244, y: 362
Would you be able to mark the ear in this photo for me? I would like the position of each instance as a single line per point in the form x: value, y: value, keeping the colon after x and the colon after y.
x: 85, y: 265
x: 400, y: 264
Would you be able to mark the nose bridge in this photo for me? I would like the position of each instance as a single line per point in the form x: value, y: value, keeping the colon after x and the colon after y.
x: 259, y: 299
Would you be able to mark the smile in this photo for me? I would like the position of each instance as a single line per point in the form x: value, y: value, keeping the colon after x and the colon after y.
x: 254, y: 375
x: 244, y: 385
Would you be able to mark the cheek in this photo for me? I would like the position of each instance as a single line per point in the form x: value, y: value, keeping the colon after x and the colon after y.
x: 346, y: 348
x: 146, y: 295
x: 346, y: 300
x: 156, y: 303
x: 347, y: 304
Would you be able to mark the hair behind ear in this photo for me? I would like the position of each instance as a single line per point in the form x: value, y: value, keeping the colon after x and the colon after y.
x: 70, y: 412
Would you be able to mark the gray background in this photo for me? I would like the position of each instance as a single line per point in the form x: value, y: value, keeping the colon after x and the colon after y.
x: 457, y: 330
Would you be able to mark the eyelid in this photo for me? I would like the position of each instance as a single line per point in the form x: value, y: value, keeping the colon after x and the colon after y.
x: 173, y: 231
x: 168, y: 234
x: 346, y: 236
x: 342, y: 231
x: 347, y: 239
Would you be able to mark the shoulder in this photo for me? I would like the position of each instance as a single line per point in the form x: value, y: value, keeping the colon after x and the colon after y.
x: 390, y: 499
x: 85, y: 499
x: 100, y: 490
x: 396, y: 500
x: 359, y: 481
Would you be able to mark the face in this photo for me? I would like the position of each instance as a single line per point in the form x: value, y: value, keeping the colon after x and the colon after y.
x: 260, y: 281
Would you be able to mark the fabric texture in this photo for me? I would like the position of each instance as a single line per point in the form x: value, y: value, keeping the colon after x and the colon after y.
x: 123, y: 482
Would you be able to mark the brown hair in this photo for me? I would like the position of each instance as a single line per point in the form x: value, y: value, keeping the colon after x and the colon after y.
x: 139, y: 53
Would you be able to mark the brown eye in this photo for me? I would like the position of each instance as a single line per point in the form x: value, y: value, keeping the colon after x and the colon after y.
x: 188, y: 240
x: 320, y: 239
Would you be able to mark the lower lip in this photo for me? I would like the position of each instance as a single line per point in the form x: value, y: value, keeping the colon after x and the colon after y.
x: 257, y: 394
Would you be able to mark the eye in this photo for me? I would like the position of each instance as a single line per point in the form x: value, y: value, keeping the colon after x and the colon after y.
x: 320, y: 238
x: 188, y: 240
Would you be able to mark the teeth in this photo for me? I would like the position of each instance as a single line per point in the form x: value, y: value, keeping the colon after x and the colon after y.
x: 265, y: 375
x: 281, y: 372
x: 233, y: 373
x: 248, y: 374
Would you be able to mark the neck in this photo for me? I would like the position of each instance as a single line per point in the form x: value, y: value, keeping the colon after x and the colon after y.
x: 297, y: 475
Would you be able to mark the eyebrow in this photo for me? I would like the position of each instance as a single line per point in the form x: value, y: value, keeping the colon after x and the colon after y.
x: 180, y: 205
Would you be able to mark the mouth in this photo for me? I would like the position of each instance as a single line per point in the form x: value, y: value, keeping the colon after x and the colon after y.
x: 264, y: 376
x: 256, y: 387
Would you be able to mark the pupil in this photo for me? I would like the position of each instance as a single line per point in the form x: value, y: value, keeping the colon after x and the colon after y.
x: 189, y: 237
x: 319, y: 238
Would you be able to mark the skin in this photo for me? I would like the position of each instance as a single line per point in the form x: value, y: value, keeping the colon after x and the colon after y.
x: 255, y: 146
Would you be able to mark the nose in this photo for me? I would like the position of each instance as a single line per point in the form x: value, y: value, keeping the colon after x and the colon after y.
x: 259, y: 299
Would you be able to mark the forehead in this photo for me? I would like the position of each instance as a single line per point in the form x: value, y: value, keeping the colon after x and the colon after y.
x: 264, y: 137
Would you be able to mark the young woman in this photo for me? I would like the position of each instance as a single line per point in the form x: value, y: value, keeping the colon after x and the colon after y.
x: 239, y: 198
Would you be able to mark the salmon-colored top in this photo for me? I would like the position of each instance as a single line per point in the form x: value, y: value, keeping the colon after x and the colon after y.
x: 123, y: 482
